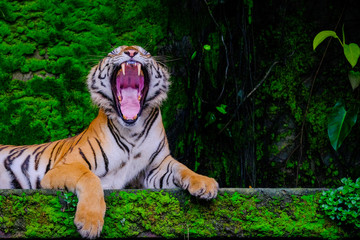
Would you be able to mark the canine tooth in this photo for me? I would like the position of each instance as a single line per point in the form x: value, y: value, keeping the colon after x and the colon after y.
x: 139, y: 97
x: 124, y: 117
x: 134, y: 117
x: 119, y: 97
x: 139, y: 69
x: 123, y: 68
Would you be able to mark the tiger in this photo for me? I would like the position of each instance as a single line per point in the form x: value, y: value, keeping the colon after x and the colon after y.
x: 125, y: 143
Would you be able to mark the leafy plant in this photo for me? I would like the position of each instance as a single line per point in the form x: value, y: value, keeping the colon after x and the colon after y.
x: 351, y: 51
x: 70, y: 200
x: 340, y: 124
x: 341, y: 121
x: 343, y: 204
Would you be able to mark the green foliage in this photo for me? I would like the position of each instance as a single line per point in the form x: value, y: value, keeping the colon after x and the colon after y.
x: 354, y: 78
x: 343, y: 204
x: 351, y: 51
x: 340, y: 124
x: 341, y: 121
x: 69, y: 199
x: 321, y: 36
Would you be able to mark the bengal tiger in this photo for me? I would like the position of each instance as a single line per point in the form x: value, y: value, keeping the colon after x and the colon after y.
x: 126, y: 142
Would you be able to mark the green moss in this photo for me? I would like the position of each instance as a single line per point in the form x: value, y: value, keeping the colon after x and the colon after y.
x: 143, y: 211
x: 172, y: 214
x: 35, y: 215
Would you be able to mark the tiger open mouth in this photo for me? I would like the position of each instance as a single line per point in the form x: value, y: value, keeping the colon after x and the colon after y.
x: 129, y: 85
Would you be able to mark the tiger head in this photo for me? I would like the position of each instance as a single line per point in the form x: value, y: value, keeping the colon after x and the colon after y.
x: 127, y: 82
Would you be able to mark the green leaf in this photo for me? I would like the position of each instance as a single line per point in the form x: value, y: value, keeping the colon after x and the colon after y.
x: 352, y: 53
x: 207, y: 47
x: 193, y: 55
x: 340, y: 124
x: 222, y: 108
x: 354, y: 78
x: 321, y: 36
x: 210, y: 118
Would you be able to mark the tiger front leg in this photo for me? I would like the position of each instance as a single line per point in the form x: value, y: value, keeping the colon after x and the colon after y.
x: 90, y: 210
x: 169, y: 173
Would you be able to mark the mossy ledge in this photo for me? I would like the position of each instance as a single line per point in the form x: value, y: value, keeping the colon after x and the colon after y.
x: 235, y: 213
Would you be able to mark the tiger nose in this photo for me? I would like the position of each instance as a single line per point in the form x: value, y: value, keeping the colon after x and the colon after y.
x: 131, y: 53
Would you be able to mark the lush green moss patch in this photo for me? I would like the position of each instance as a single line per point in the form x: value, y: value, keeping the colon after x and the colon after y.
x: 173, y: 214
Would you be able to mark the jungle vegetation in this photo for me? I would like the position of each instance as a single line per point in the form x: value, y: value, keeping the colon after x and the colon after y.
x: 250, y: 98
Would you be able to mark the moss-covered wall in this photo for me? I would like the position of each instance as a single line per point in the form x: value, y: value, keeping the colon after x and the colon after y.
x: 173, y: 214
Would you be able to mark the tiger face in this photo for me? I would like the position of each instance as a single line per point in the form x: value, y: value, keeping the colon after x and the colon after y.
x: 127, y: 82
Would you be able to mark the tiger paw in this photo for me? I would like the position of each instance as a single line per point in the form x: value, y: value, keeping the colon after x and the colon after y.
x: 89, y: 221
x: 203, y: 187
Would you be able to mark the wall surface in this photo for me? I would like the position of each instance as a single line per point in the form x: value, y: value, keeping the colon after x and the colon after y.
x: 285, y: 213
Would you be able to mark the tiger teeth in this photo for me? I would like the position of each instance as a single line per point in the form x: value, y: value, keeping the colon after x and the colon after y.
x: 139, y: 69
x: 119, y: 97
x: 134, y: 117
x: 123, y: 68
x: 139, y: 97
x: 124, y: 117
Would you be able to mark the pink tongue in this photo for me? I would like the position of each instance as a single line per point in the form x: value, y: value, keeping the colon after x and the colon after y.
x: 130, y: 105
x: 129, y: 87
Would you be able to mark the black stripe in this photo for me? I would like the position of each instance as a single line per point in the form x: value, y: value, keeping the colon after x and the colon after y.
x: 107, y: 97
x: 149, y: 117
x: 10, y: 158
x: 15, y: 183
x: 94, y: 154
x: 84, y: 157
x: 152, y: 170
x: 25, y: 170
x: 117, y: 132
x: 158, y: 150
x: 48, y: 166
x: 59, y: 149
x: 157, y: 93
x: 82, y: 134
x: 151, y: 124
x: 8, y: 161
x: 162, y: 177
x: 38, y: 155
x: 150, y: 121
x: 37, y: 149
x: 106, y: 160
x: 117, y: 138
x: 101, y: 71
x: 52, y: 151
x: 3, y: 147
x: 38, y: 183
x: 94, y: 79
x: 171, y: 173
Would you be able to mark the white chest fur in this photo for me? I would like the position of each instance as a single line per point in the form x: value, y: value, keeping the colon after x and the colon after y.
x: 132, y: 152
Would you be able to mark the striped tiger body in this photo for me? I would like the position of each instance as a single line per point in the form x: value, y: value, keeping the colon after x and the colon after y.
x: 126, y: 142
